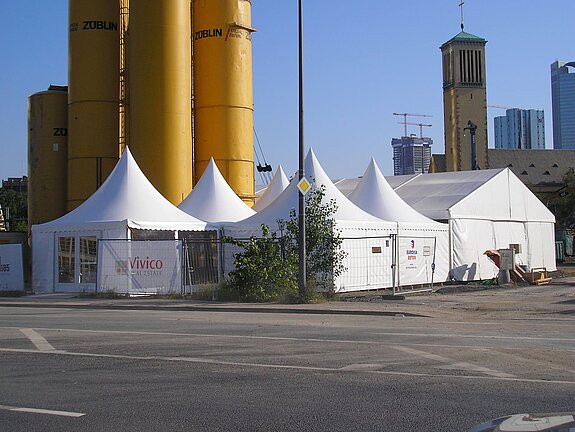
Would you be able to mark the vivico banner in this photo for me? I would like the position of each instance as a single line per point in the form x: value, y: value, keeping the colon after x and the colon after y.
x: 11, y: 268
x: 140, y: 267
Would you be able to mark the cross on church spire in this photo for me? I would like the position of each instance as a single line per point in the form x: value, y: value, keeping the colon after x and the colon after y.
x: 461, y: 7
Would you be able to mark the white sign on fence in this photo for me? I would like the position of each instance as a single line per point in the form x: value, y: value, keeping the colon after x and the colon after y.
x: 11, y: 268
x: 416, y: 255
x: 143, y: 267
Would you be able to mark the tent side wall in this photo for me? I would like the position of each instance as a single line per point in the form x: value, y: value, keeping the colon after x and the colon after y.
x: 541, y: 246
x: 500, y: 212
x: 43, y: 262
x: 45, y: 259
x: 472, y: 237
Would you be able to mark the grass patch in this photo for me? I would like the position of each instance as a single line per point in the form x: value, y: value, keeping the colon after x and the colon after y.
x: 13, y: 293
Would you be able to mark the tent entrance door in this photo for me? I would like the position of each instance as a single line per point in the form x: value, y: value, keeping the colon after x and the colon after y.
x: 76, y: 263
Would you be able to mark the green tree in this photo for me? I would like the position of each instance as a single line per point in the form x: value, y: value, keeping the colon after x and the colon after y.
x: 324, y: 256
x: 17, y: 202
x: 562, y: 204
x: 262, y: 272
x: 267, y: 268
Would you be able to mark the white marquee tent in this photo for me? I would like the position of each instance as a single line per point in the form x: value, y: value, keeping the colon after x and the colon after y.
x: 366, y: 238
x: 487, y: 209
x: 213, y: 200
x: 422, y: 244
x: 63, y: 250
x: 273, y: 190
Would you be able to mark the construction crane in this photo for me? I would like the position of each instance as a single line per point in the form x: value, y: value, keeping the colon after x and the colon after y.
x: 421, y: 126
x: 405, y: 115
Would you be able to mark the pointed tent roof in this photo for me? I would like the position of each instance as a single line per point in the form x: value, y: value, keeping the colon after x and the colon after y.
x: 275, y: 188
x: 127, y: 195
x: 374, y: 195
x: 213, y: 200
x: 288, y: 199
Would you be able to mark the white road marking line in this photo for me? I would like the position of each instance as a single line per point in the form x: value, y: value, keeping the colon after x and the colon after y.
x: 296, y: 339
x: 42, y: 411
x: 41, y: 343
x: 498, y: 352
x: 291, y: 367
x: 447, y: 335
x: 451, y: 364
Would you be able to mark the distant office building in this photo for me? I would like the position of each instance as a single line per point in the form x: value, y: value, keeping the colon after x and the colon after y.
x: 411, y: 155
x: 563, y: 99
x: 464, y: 101
x: 520, y: 129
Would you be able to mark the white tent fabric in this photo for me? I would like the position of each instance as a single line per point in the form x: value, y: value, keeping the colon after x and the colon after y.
x: 213, y: 200
x: 488, y: 209
x: 363, y: 233
x: 125, y: 200
x: 423, y: 251
x: 275, y: 188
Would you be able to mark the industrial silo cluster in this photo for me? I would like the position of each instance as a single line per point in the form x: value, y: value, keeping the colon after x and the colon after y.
x: 171, y: 79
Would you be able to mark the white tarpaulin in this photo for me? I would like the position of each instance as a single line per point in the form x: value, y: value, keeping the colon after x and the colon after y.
x: 63, y: 250
x: 11, y: 268
x: 128, y: 267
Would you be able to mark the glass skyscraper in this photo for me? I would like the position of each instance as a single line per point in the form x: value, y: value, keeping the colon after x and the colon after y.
x: 411, y: 155
x: 563, y: 99
x: 520, y: 129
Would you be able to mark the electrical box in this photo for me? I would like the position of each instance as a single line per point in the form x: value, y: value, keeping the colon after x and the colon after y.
x: 507, y: 259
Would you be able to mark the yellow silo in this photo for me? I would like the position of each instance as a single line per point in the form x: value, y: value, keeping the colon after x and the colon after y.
x: 160, y: 125
x: 47, y: 154
x: 93, y: 80
x: 223, y: 97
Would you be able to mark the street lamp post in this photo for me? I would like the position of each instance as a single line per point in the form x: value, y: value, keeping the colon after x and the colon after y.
x: 301, y: 213
x: 472, y: 127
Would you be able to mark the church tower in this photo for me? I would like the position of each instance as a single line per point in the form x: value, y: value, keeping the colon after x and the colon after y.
x: 464, y: 102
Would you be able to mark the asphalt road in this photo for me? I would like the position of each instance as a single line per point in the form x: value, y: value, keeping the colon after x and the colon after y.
x: 122, y: 370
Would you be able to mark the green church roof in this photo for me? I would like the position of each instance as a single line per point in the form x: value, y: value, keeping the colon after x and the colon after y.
x: 465, y: 37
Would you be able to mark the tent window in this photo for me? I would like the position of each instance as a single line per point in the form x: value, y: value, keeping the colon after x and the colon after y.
x: 88, y: 259
x: 524, y: 173
x: 140, y: 234
x: 546, y: 173
x: 66, y: 259
x: 555, y: 165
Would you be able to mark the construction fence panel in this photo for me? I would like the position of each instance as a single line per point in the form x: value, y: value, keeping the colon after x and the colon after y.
x: 202, y: 262
x: 368, y: 264
x: 416, y: 260
x: 140, y: 267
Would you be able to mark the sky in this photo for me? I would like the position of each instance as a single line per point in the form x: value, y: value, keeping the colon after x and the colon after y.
x: 364, y: 60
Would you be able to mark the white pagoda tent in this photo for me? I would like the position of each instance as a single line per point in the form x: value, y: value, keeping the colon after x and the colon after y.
x: 126, y: 204
x: 422, y: 252
x: 367, y: 238
x: 213, y: 200
x: 486, y: 209
x: 273, y: 190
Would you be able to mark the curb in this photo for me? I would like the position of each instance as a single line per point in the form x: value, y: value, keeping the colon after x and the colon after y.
x: 248, y: 309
